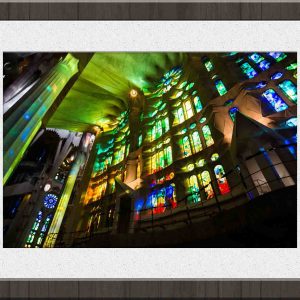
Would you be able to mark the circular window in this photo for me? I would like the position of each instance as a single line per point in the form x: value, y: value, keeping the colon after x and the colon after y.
x: 50, y: 201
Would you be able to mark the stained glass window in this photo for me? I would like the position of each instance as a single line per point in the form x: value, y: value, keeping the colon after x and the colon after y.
x: 170, y: 79
x: 168, y: 155
x: 171, y: 195
x: 208, y: 65
x: 214, y: 157
x: 201, y: 162
x: 276, y: 75
x: 220, y: 87
x: 166, y: 125
x: 186, y: 147
x: 161, y: 159
x: 292, y: 122
x: 222, y: 181
x: 158, y: 130
x: 207, y: 135
x: 248, y: 70
x: 188, y: 109
x: 274, y: 100
x: 180, y: 115
x: 198, y: 104
x: 261, y: 84
x: 202, y: 120
x: 189, y: 86
x: 289, y: 89
x: 264, y: 65
x: 182, y: 85
x: 159, y: 199
x: 34, y: 228
x: 44, y: 229
x: 291, y: 67
x: 50, y: 200
x: 140, y: 140
x: 196, y: 142
x: 232, y: 113
x: 257, y: 58
x: 278, y: 56
x: 206, y: 182
x: 193, y: 189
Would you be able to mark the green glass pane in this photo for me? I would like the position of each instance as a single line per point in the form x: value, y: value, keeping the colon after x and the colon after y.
x: 207, y: 135
x: 209, y: 66
x: 182, y: 85
x: 292, y: 66
x: 190, y: 86
x: 198, y: 104
x: 220, y: 87
x: 215, y: 156
x: 196, y: 141
x: 289, y: 89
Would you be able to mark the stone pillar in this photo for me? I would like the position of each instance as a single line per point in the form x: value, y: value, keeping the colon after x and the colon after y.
x: 67, y: 191
x: 22, y: 125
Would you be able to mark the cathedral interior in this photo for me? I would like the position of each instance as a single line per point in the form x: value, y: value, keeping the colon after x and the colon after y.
x: 168, y: 149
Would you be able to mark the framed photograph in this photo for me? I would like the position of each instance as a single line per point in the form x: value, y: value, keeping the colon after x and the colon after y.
x: 149, y: 154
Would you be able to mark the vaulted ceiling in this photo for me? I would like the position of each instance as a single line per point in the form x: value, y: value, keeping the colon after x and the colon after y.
x: 101, y: 91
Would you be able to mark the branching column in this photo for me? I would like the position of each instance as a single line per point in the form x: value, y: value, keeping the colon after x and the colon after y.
x: 23, y: 124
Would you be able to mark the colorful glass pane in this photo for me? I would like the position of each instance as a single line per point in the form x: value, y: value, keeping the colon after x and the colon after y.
x: 206, y: 182
x: 289, y: 89
x: 248, y: 70
x: 198, y: 104
x: 261, y: 84
x: 209, y: 65
x: 50, y: 200
x: 201, y: 162
x: 274, y: 100
x: 220, y: 87
x: 168, y: 155
x: 171, y: 195
x: 202, y: 120
x: 196, y: 141
x: 264, y: 65
x: 214, y: 157
x: 180, y: 115
x: 291, y: 67
x: 232, y: 113
x: 257, y: 58
x: 276, y: 75
x: 278, y: 56
x: 207, y: 135
x: 186, y: 148
x: 188, y: 109
x: 194, y: 188
x: 222, y: 181
x: 292, y: 122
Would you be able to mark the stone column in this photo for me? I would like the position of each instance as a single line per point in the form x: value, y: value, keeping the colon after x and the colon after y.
x: 67, y: 191
x: 23, y: 124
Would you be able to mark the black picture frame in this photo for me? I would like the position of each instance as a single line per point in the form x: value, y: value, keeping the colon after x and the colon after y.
x: 158, y: 288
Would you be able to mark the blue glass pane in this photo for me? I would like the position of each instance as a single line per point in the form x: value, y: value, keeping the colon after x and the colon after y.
x: 289, y: 89
x: 274, y: 100
x: 248, y: 70
x: 50, y: 201
x: 261, y: 84
x: 292, y: 122
x: 256, y: 57
x: 228, y: 102
x: 264, y: 65
x: 278, y: 56
x: 276, y: 75
x: 232, y: 113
